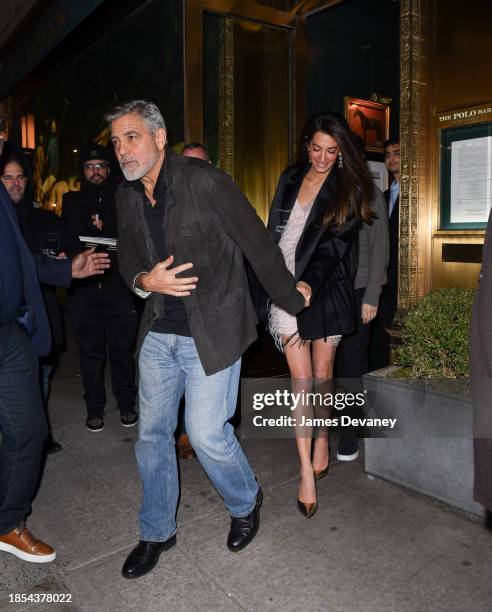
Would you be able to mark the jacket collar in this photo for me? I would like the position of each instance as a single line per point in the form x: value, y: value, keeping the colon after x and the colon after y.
x: 314, y: 227
x: 324, y: 198
x: 165, y: 180
x: 280, y: 215
x: 282, y: 207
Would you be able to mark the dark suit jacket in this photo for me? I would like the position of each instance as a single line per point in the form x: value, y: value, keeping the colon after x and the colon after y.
x: 326, y: 258
x: 35, y: 320
x: 35, y: 223
x: 394, y: 229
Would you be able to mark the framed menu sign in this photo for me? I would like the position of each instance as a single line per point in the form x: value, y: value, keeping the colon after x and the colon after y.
x: 466, y: 176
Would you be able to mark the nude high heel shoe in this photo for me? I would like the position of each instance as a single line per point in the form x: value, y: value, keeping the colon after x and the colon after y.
x: 307, y: 510
x: 321, y: 474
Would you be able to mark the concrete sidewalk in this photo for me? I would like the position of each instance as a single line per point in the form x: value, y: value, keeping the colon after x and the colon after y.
x: 371, y: 547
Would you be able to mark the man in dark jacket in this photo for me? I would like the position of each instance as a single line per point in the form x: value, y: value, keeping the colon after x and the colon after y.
x: 24, y: 336
x: 175, y: 214
x: 379, y: 355
x: 352, y: 358
x: 103, y: 311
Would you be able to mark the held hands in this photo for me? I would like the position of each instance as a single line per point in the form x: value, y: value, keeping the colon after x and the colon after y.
x: 368, y: 313
x: 306, y: 292
x: 162, y: 279
x: 89, y: 263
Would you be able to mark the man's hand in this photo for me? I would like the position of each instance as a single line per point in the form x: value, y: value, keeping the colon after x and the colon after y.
x: 306, y: 292
x: 162, y: 279
x: 368, y: 313
x: 89, y: 263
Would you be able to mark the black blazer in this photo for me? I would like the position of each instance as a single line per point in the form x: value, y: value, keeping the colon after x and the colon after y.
x: 325, y: 258
x: 394, y: 230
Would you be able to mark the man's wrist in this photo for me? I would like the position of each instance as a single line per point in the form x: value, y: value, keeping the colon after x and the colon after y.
x: 141, y: 281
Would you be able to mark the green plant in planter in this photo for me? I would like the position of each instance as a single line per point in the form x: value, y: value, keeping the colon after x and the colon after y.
x: 435, y: 335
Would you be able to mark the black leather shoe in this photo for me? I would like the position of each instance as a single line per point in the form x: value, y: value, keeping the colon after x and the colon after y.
x: 244, y: 529
x: 144, y: 557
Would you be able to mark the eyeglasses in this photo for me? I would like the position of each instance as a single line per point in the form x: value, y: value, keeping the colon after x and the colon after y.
x: 9, y: 177
x: 95, y: 166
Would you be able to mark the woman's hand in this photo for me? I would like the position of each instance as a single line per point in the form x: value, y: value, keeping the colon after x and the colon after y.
x: 306, y: 292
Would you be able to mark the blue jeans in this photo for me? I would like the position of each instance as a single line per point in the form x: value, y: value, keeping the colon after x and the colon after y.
x: 170, y: 366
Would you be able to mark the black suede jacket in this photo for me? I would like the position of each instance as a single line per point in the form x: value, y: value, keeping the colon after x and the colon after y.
x: 210, y: 223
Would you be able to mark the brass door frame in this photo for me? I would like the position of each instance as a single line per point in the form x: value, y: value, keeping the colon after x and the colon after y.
x: 193, y: 55
x: 415, y: 240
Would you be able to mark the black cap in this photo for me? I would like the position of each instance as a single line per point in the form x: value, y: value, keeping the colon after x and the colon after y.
x: 93, y: 151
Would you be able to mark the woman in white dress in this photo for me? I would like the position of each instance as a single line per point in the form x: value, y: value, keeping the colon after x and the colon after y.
x: 315, y: 217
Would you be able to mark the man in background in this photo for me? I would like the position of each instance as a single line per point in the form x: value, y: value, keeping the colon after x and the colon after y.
x: 102, y: 310
x: 195, y: 149
x: 379, y: 355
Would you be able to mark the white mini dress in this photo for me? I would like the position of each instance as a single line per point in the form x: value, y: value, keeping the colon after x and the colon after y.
x: 281, y: 323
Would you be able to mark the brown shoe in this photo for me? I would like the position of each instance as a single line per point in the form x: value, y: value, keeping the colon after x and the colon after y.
x: 21, y: 543
x: 185, y: 450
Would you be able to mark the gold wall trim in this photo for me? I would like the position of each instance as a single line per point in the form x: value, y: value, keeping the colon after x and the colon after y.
x: 300, y: 83
x: 246, y: 9
x: 226, y: 97
x: 458, y: 233
x: 306, y: 8
x: 415, y: 237
x: 192, y: 73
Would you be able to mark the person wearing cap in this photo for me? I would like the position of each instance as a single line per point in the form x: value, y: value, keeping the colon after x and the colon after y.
x: 103, y: 312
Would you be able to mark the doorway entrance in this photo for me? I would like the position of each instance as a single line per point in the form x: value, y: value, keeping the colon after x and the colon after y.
x: 245, y: 90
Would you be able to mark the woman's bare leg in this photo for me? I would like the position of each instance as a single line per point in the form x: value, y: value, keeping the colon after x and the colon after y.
x: 323, y: 358
x: 299, y: 361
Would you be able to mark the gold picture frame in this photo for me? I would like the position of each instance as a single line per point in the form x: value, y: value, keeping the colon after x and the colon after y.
x: 369, y: 120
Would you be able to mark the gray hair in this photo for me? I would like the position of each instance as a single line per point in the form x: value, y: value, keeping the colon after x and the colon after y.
x: 147, y: 111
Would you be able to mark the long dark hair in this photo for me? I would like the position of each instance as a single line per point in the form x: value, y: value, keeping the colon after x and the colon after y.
x: 354, y: 188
